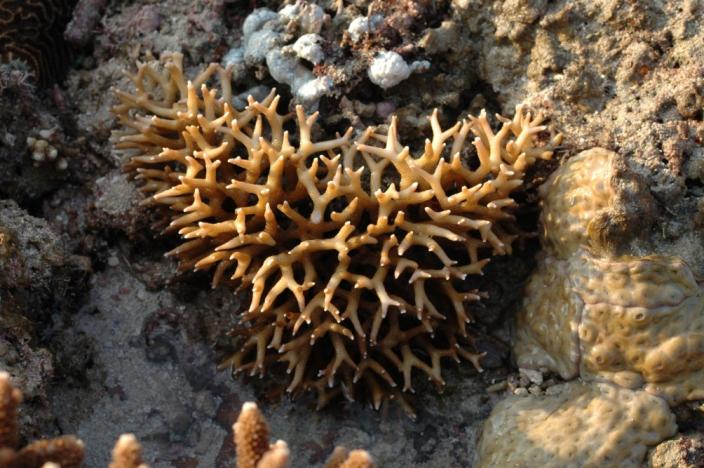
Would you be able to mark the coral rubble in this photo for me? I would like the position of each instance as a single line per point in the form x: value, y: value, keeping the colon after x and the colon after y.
x: 354, y: 252
x: 67, y: 451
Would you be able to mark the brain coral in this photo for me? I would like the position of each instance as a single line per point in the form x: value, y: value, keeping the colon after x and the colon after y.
x: 355, y: 253
x: 32, y: 30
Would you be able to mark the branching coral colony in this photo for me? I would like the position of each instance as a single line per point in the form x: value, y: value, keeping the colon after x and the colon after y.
x: 354, y: 252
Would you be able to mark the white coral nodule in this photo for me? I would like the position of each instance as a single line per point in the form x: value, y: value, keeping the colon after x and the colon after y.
x: 354, y: 252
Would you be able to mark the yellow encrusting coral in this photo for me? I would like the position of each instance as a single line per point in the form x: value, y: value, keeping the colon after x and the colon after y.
x: 576, y: 425
x: 637, y: 321
x: 630, y: 326
x: 354, y: 252
x: 66, y: 451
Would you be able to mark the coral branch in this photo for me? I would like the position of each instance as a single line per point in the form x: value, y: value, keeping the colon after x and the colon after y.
x: 66, y: 451
x: 354, y: 252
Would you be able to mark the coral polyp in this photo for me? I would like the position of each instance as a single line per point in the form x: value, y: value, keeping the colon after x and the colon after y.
x: 355, y: 252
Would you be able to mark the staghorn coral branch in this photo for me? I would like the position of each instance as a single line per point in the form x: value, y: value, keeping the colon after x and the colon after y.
x: 354, y: 251
x: 66, y: 451
x: 127, y: 453
x: 10, y: 399
x: 251, y: 433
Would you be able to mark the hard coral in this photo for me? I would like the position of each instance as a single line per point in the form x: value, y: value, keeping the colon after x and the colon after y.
x: 583, y: 425
x: 254, y: 451
x: 634, y: 320
x: 251, y: 437
x: 630, y: 326
x: 67, y: 451
x: 354, y: 253
x: 32, y: 30
x: 127, y: 453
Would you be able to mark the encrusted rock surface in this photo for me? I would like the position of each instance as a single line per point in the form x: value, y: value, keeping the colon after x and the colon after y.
x: 685, y: 451
x: 612, y: 73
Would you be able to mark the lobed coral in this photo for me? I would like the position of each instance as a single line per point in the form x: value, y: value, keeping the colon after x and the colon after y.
x: 355, y: 253
x: 66, y: 451
x: 634, y: 320
x: 581, y: 425
x: 629, y: 326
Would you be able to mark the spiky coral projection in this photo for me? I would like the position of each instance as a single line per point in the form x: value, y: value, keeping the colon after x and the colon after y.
x: 354, y: 253
x: 127, y: 453
x: 251, y: 433
x: 67, y: 451
x: 251, y: 438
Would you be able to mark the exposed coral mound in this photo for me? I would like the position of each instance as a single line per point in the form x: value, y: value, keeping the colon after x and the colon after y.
x: 582, y: 425
x: 67, y: 451
x: 354, y: 253
x: 637, y: 321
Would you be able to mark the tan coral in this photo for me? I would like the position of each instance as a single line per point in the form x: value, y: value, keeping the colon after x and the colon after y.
x: 342, y: 458
x: 354, y: 253
x: 10, y: 399
x: 337, y: 457
x: 642, y: 325
x: 127, y: 453
x: 594, y: 311
x: 576, y: 198
x: 275, y: 457
x: 579, y: 425
x: 546, y: 330
x: 251, y: 438
x: 67, y: 451
x: 636, y: 321
x: 251, y: 435
x: 358, y: 459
